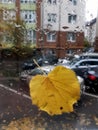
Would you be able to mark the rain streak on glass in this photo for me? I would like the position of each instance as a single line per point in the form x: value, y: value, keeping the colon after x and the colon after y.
x: 50, y: 32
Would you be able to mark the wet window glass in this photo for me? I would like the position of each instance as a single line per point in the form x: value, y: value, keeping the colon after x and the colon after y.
x: 48, y: 64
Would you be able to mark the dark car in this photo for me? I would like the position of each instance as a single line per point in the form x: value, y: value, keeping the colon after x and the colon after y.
x: 88, y: 70
x: 91, y: 80
x: 30, y: 64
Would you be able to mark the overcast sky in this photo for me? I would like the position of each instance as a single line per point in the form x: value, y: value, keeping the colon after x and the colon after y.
x: 91, y: 9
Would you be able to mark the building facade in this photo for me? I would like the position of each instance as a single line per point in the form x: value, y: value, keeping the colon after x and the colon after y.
x: 56, y: 26
x: 60, y: 26
x: 25, y: 10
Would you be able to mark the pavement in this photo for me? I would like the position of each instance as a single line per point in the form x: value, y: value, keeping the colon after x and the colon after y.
x: 16, y: 106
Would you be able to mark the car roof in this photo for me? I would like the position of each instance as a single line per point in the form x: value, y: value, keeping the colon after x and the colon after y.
x: 82, y: 60
x: 89, y: 54
x: 88, y: 60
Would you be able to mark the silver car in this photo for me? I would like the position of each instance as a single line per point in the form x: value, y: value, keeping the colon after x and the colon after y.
x: 27, y: 75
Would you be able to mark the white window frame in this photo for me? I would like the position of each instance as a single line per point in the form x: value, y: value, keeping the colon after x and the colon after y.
x: 52, y: 1
x: 31, y: 35
x: 71, y: 36
x: 27, y: 1
x: 72, y: 18
x: 52, y: 17
x: 69, y: 51
x: 29, y: 16
x: 51, y: 37
x: 74, y: 2
x: 8, y: 1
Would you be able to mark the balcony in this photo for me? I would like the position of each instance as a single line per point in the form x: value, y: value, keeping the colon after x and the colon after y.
x: 7, y: 5
x: 28, y: 6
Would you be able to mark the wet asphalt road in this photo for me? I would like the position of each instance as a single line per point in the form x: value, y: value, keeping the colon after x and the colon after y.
x: 15, y: 103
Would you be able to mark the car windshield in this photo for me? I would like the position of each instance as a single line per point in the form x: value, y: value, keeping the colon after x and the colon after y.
x: 73, y: 61
x: 38, y: 71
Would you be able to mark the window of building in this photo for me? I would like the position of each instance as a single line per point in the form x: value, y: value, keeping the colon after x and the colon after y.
x: 34, y: 35
x: 72, y: 18
x: 24, y: 1
x: 69, y: 51
x: 51, y: 37
x: 52, y: 1
x: 28, y: 1
x: 74, y: 2
x: 52, y: 17
x: 8, y: 1
x: 29, y: 16
x: 7, y: 15
x: 25, y: 16
x: 31, y: 35
x: 71, y: 36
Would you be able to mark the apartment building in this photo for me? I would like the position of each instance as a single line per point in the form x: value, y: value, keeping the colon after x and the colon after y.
x: 26, y: 10
x: 60, y: 26
x: 56, y: 26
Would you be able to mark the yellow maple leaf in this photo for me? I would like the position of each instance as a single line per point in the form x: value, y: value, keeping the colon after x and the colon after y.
x: 56, y: 92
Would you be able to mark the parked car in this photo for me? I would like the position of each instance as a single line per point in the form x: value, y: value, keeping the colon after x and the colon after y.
x: 27, y: 75
x: 30, y: 64
x: 88, y: 70
x: 91, y: 80
x: 47, y: 60
x: 80, y: 66
x: 88, y: 55
x: 82, y: 56
x: 63, y: 61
